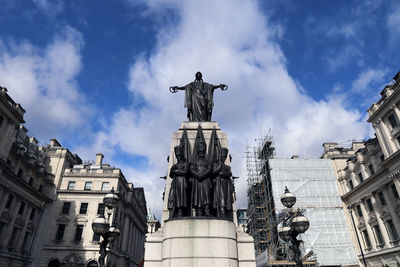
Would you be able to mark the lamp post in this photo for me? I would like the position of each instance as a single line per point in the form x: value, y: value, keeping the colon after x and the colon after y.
x: 293, y: 224
x: 101, y: 225
x: 350, y: 209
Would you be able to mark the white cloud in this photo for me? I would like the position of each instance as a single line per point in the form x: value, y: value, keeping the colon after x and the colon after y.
x: 44, y: 82
x: 367, y: 78
x: 50, y: 7
x: 231, y: 42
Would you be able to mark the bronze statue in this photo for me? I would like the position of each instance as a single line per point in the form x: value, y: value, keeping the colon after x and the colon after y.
x: 198, y: 98
x: 178, y: 194
x: 200, y: 172
x: 222, y: 186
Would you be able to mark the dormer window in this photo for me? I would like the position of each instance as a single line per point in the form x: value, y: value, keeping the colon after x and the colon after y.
x: 393, y: 121
x: 360, y: 176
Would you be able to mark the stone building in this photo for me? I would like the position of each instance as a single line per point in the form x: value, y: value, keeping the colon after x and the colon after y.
x: 80, y: 190
x: 26, y: 187
x: 152, y: 223
x: 368, y: 176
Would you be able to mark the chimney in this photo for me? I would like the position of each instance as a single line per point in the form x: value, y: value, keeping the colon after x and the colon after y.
x: 295, y: 157
x: 99, y: 158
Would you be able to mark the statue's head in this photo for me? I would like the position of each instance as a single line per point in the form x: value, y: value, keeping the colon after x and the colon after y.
x: 178, y: 152
x: 201, y: 149
x: 224, y: 153
x: 199, y: 76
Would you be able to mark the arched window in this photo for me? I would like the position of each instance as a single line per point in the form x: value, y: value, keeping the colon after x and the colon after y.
x: 54, y: 263
x: 92, y: 264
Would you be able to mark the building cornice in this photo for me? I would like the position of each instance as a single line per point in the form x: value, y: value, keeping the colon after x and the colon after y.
x: 387, y: 102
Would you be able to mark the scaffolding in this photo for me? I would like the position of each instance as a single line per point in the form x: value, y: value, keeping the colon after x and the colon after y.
x: 261, y: 210
x: 314, y: 184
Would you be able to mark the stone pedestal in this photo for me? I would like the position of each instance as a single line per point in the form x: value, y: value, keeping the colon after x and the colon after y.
x: 198, y: 241
x: 209, y: 242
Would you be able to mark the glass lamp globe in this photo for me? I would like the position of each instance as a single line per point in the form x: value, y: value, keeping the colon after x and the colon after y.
x: 111, y: 200
x: 300, y: 224
x: 284, y: 233
x: 288, y: 199
x: 114, y: 232
x: 100, y: 225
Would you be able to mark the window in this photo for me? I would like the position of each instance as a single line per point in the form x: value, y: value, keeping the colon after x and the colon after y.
x: 359, y: 211
x: 392, y: 120
x: 78, y: 233
x: 378, y: 233
x: 394, y: 191
x: 88, y: 185
x: 96, y: 237
x: 393, y: 231
x: 371, y: 169
x: 104, y: 186
x: 369, y: 204
x: 101, y: 208
x: 9, y: 201
x: 360, y: 176
x: 351, y: 184
x: 367, y: 241
x: 1, y: 120
x: 20, y: 173
x: 83, y: 208
x: 30, y: 181
x: 60, y: 232
x: 382, y: 198
x: 25, y: 242
x: 65, y: 208
x: 71, y: 185
x: 21, y: 208
x: 32, y: 216
x: 40, y: 188
x: 382, y: 158
x: 13, y: 238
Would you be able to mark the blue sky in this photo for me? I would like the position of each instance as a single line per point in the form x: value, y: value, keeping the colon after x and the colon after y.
x: 95, y: 74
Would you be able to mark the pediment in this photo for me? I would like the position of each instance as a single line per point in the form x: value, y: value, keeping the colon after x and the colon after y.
x: 19, y: 223
x: 361, y: 224
x: 372, y: 220
x: 384, y: 215
x: 5, y: 217
x: 63, y: 219
x: 30, y: 227
x: 81, y: 220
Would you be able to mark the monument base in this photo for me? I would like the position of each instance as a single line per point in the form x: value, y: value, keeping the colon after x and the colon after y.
x: 210, y: 242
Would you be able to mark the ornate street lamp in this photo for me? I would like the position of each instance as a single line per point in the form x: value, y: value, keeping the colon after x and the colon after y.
x: 300, y: 224
x: 288, y: 199
x: 101, y: 225
x: 284, y: 233
x: 294, y: 223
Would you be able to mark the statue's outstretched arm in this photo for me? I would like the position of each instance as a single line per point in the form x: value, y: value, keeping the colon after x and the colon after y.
x: 174, y: 89
x: 222, y: 86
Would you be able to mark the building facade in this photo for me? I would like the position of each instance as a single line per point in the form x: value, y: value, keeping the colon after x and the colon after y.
x: 313, y: 181
x: 26, y: 187
x: 368, y: 176
x: 80, y: 192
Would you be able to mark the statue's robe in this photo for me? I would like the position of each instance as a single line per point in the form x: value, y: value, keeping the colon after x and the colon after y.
x: 222, y: 187
x: 199, y: 101
x: 201, y: 186
x: 178, y: 194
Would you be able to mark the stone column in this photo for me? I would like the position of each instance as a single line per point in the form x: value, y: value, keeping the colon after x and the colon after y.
x: 388, y: 137
x: 381, y: 138
x: 9, y: 228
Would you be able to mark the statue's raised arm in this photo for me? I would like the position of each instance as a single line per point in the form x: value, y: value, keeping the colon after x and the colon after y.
x: 199, y: 98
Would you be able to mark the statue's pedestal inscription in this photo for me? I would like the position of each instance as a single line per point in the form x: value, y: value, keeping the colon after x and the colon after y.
x: 189, y: 236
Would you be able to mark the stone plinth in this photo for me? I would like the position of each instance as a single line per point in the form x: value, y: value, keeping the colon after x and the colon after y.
x: 199, y: 242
